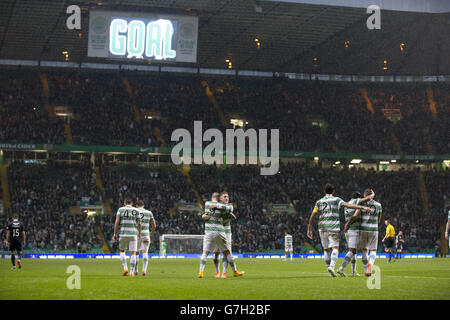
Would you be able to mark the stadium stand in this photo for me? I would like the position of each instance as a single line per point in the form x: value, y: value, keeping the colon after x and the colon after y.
x: 314, y: 116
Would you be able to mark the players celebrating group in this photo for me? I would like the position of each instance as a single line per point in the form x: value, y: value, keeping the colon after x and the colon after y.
x: 134, y: 223
x: 217, y: 217
x: 361, y: 229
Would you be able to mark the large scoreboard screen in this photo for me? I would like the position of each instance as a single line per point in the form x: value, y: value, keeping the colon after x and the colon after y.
x: 131, y: 35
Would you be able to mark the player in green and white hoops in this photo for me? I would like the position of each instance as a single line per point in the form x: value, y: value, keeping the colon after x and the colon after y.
x: 128, y: 219
x: 215, y: 232
x: 329, y: 224
x: 226, y: 221
x: 368, y: 234
x: 352, y: 235
x: 147, y: 218
x: 288, y: 246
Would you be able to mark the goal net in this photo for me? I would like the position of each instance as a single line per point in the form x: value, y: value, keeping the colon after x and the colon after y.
x: 180, y: 243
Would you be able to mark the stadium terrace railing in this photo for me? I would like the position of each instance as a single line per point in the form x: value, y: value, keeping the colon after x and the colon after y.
x: 225, y: 72
x: 167, y: 151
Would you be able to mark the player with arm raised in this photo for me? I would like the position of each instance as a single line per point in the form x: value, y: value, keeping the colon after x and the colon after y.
x: 368, y: 234
x: 127, y: 218
x: 352, y: 235
x: 147, y: 218
x: 215, y: 232
x: 329, y: 224
x: 15, y: 239
x: 288, y: 247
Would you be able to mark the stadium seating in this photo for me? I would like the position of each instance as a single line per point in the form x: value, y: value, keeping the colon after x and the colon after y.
x: 312, y: 115
x: 42, y: 195
x: 130, y: 108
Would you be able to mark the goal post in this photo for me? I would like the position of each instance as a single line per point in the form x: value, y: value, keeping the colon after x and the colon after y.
x: 180, y: 243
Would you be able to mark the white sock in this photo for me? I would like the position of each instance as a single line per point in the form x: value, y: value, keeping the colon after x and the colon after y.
x: 224, y: 265
x: 203, y: 262
x: 132, y: 264
x: 137, y: 263
x: 291, y: 255
x: 144, y: 262
x: 372, y: 258
x: 123, y: 259
x: 364, y: 259
x: 230, y: 259
x: 334, y: 257
x: 326, y: 257
x: 347, y: 260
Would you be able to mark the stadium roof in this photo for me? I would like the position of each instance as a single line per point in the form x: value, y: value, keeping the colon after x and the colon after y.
x: 291, y: 35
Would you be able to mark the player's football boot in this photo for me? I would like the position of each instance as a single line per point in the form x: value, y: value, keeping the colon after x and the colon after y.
x: 341, y: 272
x: 217, y: 275
x: 369, y: 270
x: 200, y: 275
x: 144, y: 274
x: 136, y: 273
x: 224, y: 275
x: 238, y: 273
x: 13, y: 268
x: 19, y: 264
x: 331, y: 271
x: 356, y: 274
x: 125, y: 273
x: 132, y: 275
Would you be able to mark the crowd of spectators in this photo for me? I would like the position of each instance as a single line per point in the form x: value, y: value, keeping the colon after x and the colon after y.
x: 23, y: 116
x: 302, y: 185
x: 43, y: 194
x: 311, y: 115
x: 161, y: 189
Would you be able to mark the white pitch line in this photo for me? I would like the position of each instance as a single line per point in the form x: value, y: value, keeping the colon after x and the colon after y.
x: 405, y: 277
x: 418, y: 277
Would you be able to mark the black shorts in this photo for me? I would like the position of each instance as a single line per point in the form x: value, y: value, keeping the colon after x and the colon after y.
x: 389, y: 242
x: 15, y: 245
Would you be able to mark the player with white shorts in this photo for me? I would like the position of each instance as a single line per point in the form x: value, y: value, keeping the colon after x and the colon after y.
x: 147, y: 218
x: 215, y: 238
x: 288, y: 246
x: 329, y: 224
x: 368, y: 234
x: 352, y: 235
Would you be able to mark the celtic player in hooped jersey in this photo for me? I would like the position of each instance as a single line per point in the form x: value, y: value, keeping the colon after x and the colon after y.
x: 215, y: 232
x: 352, y: 235
x: 288, y: 247
x: 147, y: 218
x: 226, y: 221
x: 368, y: 234
x: 447, y: 228
x: 128, y: 219
x: 329, y: 224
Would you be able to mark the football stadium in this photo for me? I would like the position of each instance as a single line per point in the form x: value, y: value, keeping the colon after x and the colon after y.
x: 236, y: 150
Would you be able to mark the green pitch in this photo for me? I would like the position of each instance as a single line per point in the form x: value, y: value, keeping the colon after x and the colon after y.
x: 264, y: 279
